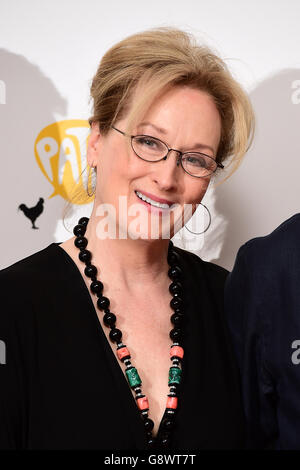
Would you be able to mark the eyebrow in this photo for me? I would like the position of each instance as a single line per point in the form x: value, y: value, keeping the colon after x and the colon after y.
x: 163, y: 131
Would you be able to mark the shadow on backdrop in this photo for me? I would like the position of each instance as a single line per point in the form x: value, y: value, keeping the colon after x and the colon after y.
x: 31, y: 102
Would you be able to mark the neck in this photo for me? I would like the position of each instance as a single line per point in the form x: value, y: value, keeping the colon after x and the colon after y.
x: 132, y: 265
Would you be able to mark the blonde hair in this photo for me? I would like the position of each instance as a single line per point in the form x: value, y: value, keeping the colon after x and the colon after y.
x: 158, y: 59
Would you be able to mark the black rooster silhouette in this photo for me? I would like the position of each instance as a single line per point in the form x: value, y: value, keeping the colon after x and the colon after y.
x: 32, y: 213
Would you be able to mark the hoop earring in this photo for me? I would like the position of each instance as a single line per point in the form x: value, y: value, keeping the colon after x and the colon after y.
x: 195, y: 233
x: 87, y: 189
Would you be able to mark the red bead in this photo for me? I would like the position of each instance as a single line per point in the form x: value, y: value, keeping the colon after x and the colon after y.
x: 172, y: 402
x: 176, y: 351
x: 122, y: 352
x: 142, y: 403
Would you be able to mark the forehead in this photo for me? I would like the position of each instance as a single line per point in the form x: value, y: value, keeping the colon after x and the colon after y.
x: 178, y: 102
x: 183, y: 115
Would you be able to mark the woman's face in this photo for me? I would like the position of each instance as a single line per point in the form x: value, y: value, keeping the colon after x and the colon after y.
x: 185, y: 119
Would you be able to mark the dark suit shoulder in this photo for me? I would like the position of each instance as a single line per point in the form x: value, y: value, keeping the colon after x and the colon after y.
x: 282, y: 242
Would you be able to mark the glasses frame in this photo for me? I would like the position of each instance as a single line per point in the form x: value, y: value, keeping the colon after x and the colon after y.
x: 218, y: 165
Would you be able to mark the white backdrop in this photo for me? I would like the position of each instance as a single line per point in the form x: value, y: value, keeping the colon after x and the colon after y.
x: 49, y: 52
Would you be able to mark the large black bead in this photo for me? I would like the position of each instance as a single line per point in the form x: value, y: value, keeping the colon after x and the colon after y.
x: 85, y: 256
x: 176, y: 302
x: 79, y: 230
x: 171, y: 244
x: 180, y: 312
x: 80, y: 242
x: 96, y: 287
x: 151, y: 442
x: 149, y: 424
x: 177, y: 319
x: 109, y: 319
x: 167, y: 424
x: 173, y: 257
x: 176, y: 334
x: 103, y: 302
x: 90, y: 271
x: 83, y: 221
x: 164, y: 441
x: 176, y: 288
x: 175, y: 273
x: 115, y: 335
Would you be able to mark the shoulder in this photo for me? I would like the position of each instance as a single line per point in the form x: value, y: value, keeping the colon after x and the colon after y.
x: 27, y: 288
x: 194, y: 264
x: 25, y: 273
x: 282, y: 243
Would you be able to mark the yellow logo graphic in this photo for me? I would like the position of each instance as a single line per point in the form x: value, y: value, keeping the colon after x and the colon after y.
x: 60, y: 152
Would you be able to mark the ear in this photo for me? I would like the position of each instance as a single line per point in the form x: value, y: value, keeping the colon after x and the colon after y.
x: 94, y: 143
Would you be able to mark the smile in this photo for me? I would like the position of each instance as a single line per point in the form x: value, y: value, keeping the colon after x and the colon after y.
x: 151, y: 202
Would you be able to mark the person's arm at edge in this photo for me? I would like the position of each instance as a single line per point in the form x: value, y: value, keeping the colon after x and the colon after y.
x: 243, y: 318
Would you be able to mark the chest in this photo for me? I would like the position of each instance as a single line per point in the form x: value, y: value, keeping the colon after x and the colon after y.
x: 145, y: 330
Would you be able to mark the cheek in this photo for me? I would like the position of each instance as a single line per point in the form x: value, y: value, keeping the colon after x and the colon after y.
x: 195, y: 191
x: 113, y: 167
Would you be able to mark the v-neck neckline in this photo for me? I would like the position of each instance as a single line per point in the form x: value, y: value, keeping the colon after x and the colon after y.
x: 119, y: 375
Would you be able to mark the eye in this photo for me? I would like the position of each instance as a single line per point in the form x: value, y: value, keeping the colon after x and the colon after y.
x: 147, y: 142
x: 197, y: 160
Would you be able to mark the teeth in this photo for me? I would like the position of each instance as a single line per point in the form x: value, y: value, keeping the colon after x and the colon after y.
x: 150, y: 201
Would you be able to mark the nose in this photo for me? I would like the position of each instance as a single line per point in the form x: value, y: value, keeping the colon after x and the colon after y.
x: 167, y: 173
x: 178, y: 158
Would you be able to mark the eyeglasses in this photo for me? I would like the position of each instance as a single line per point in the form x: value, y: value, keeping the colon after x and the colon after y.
x: 151, y: 149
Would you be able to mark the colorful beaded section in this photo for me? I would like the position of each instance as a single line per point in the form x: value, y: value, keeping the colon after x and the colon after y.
x: 164, y: 435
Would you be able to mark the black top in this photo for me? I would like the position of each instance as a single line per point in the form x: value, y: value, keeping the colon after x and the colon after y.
x: 61, y: 387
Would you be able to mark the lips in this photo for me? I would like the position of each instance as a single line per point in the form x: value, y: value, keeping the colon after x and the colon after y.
x: 155, y: 198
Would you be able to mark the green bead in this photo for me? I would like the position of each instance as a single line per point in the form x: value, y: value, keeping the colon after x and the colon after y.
x: 174, y: 375
x: 133, y: 377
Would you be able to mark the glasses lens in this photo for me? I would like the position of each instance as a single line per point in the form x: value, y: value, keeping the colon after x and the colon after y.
x: 198, y: 164
x: 148, y: 147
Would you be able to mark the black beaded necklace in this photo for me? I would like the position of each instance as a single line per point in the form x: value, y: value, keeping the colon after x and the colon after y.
x: 163, y: 438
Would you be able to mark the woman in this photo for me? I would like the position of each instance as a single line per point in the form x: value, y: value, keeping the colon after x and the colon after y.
x: 93, y: 315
